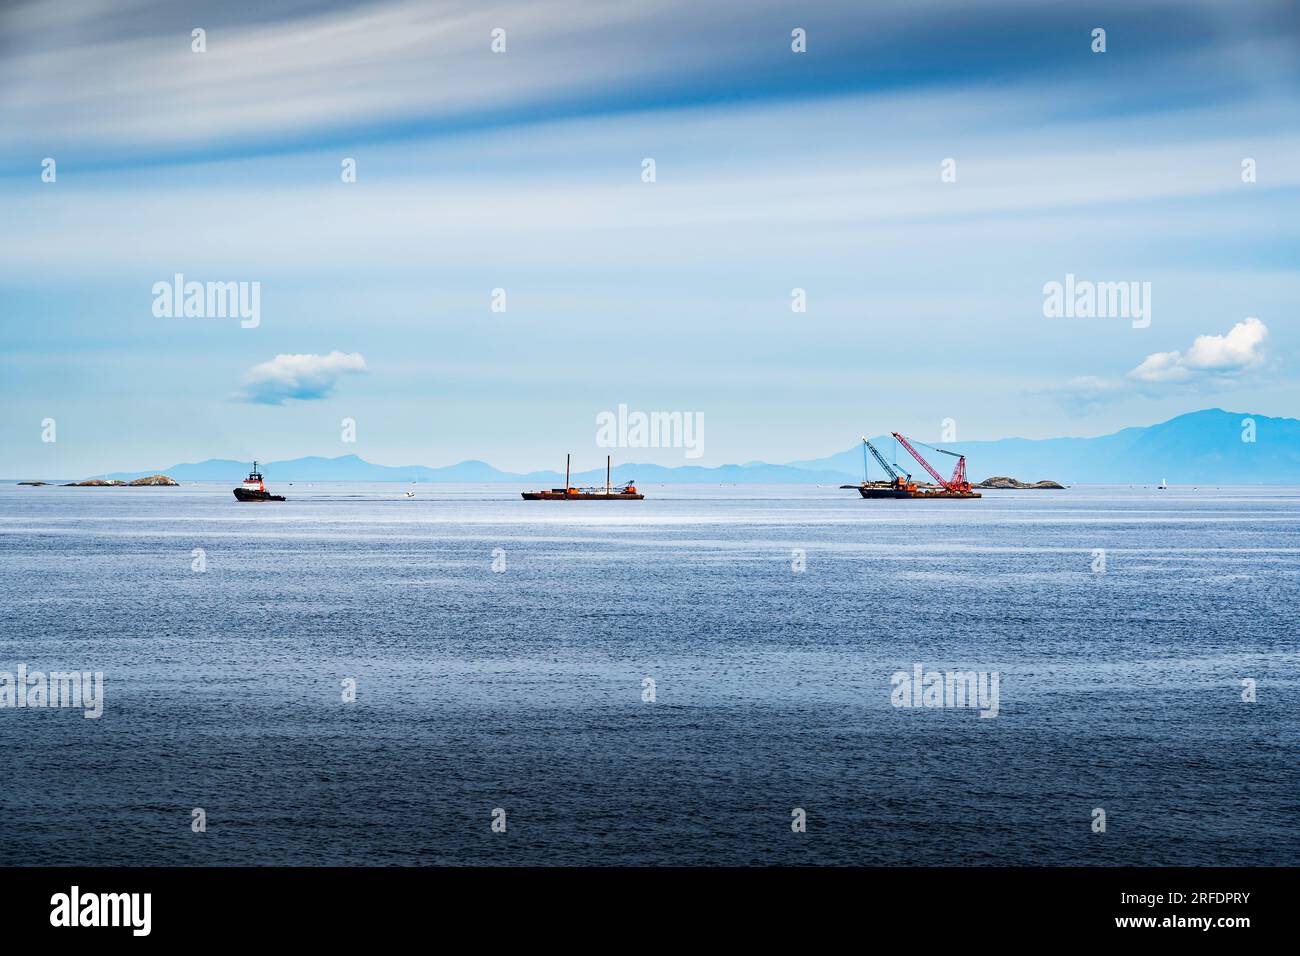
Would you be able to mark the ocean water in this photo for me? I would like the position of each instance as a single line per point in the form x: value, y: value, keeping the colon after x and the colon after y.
x: 522, y: 689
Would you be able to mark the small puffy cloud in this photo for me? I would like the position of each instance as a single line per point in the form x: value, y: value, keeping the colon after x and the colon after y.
x: 1211, y: 356
x: 1161, y: 367
x: 304, y: 377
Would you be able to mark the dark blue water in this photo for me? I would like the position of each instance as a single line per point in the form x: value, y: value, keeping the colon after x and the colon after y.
x: 523, y: 689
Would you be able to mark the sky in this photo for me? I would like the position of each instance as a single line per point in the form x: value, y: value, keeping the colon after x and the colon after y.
x: 519, y: 178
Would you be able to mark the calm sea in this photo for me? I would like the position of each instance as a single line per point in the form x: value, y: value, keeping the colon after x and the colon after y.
x: 1121, y: 622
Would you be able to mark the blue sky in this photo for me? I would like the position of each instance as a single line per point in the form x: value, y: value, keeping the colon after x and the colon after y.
x: 522, y: 171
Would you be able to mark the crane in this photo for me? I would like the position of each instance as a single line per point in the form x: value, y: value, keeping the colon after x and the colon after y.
x: 889, y: 469
x: 957, y: 484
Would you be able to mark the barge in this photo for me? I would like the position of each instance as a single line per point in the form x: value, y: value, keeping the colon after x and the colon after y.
x: 568, y: 493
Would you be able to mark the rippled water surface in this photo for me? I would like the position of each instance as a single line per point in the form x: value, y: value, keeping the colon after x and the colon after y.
x: 523, y: 689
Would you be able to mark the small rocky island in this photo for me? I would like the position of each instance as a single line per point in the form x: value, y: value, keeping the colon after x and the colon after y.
x: 115, y: 482
x: 1003, y: 483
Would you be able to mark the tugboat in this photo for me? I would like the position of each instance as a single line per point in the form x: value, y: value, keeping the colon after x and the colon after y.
x: 254, y: 490
x: 627, y: 493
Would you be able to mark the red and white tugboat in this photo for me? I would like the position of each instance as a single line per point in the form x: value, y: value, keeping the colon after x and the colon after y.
x: 254, y: 490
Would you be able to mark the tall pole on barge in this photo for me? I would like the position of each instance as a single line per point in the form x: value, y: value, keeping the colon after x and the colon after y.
x: 607, y: 458
x: 566, y: 473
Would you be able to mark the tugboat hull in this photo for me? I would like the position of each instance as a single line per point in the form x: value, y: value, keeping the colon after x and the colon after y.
x: 244, y: 494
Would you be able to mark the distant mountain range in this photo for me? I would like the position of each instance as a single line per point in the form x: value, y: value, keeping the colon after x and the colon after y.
x: 1204, y: 447
x: 353, y: 468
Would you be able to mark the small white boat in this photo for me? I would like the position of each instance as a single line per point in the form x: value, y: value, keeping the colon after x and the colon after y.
x: 410, y: 494
x: 1163, y: 486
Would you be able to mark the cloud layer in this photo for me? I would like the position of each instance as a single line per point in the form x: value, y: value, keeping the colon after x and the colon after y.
x: 304, y: 377
x: 1210, y: 356
x: 124, y: 78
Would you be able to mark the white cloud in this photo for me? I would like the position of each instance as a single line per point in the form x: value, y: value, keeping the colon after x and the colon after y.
x: 1214, y: 360
x: 1210, y: 356
x: 303, y: 377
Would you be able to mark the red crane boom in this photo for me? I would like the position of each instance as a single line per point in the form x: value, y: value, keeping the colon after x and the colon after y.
x: 958, y: 483
x: 917, y: 455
